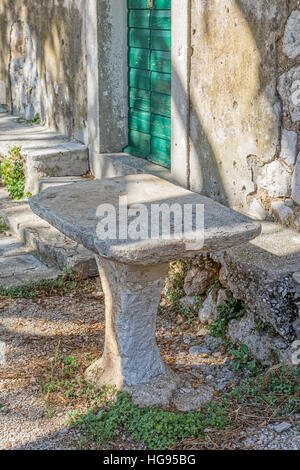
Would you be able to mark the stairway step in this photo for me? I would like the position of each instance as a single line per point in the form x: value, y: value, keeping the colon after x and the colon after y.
x: 45, y: 183
x: 51, y: 246
x: 47, y: 153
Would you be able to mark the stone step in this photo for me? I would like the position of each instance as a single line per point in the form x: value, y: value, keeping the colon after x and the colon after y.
x: 262, y: 273
x: 19, y: 266
x: 49, y: 245
x: 24, y: 268
x: 45, y: 183
x: 47, y: 153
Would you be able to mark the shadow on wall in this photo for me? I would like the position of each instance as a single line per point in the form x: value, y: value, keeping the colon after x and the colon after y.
x: 235, y: 108
x: 43, y: 62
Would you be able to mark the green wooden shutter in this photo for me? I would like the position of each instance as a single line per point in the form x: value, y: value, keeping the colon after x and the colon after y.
x: 149, y: 60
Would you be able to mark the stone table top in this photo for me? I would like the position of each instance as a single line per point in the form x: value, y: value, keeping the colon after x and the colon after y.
x: 72, y: 209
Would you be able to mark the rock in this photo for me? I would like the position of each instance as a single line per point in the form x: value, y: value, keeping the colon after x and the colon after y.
x: 193, y: 399
x: 158, y: 393
x: 296, y: 326
x: 212, y: 343
x: 208, y: 313
x: 217, y: 354
x: 296, y: 277
x: 289, y: 91
x: 276, y: 179
x: 202, y: 332
x: 291, y: 38
x: 257, y: 210
x: 281, y: 211
x: 289, y: 202
x: 201, y: 276
x: 282, y: 427
x: 223, y: 277
x: 288, y: 152
x: 4, y: 410
x: 198, y: 350
x: 223, y: 296
x: 197, y: 282
x: 261, y: 345
x: 188, y: 302
x: 296, y: 182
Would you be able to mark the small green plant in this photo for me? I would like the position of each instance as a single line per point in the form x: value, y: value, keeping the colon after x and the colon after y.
x: 2, y: 405
x: 228, y: 310
x: 243, y: 361
x: 12, y: 173
x: 35, y: 120
x: 3, y: 226
x: 156, y: 428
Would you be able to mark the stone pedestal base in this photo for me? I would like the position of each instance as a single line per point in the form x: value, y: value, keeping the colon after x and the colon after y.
x: 131, y: 356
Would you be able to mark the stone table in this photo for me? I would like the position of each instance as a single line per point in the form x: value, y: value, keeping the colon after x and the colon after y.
x: 133, y: 272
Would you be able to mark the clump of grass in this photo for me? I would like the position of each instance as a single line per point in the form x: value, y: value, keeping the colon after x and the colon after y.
x: 67, y: 282
x: 13, y: 173
x: 277, y: 391
x: 36, y: 120
x: 64, y: 379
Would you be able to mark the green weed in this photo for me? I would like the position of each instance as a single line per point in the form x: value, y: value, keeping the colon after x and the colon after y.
x: 228, y: 310
x: 13, y: 174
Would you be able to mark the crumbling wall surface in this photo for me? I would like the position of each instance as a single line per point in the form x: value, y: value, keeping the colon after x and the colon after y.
x: 245, y: 105
x: 269, y: 324
x: 42, y: 62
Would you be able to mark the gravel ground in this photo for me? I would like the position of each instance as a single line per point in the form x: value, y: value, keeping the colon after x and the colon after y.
x: 31, y: 330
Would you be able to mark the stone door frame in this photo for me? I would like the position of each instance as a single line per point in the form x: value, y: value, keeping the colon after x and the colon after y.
x: 107, y: 83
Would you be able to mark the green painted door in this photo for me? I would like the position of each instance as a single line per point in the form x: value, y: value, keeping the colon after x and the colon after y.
x: 149, y: 57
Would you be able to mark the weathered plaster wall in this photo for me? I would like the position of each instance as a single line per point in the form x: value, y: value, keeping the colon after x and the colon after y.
x: 42, y: 62
x: 245, y: 105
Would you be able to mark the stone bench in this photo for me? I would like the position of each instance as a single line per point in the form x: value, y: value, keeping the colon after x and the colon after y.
x: 133, y: 272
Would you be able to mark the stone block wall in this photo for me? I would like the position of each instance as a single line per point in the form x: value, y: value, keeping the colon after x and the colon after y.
x: 43, y: 62
x: 245, y: 105
x: 271, y: 321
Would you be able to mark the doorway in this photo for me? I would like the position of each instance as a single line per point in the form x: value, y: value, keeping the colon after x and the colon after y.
x: 149, y: 80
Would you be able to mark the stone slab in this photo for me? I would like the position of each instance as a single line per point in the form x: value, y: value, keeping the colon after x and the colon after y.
x: 50, y: 245
x: 45, y: 183
x: 123, y: 164
x: 19, y: 266
x: 11, y: 246
x: 72, y: 210
x: 26, y: 277
x: 276, y: 251
x: 14, y: 265
x: 34, y: 139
